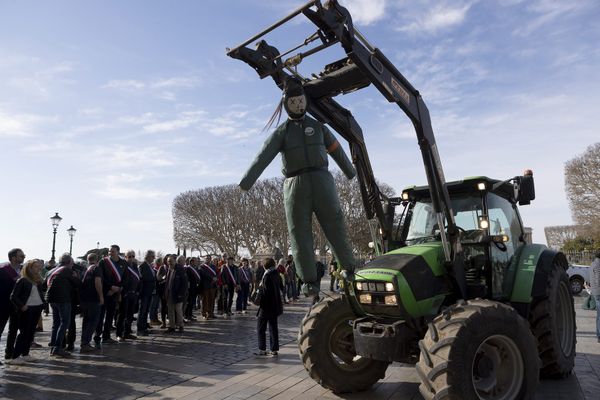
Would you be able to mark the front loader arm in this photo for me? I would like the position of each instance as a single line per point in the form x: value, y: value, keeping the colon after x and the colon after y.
x: 364, y: 65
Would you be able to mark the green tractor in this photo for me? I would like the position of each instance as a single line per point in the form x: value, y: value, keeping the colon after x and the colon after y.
x: 456, y: 288
x: 405, y: 306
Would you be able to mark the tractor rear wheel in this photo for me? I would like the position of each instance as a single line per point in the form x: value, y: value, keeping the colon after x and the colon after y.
x: 478, y: 350
x: 326, y: 344
x: 552, y: 320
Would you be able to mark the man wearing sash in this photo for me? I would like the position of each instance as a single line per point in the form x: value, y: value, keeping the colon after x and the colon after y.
x: 244, y: 279
x: 129, y: 298
x: 194, y: 284
x: 208, y: 284
x: 230, y: 284
x: 113, y: 268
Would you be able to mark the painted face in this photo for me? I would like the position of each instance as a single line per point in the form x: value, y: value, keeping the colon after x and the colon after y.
x: 295, y: 106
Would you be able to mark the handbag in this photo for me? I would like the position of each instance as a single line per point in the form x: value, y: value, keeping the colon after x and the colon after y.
x: 256, y: 296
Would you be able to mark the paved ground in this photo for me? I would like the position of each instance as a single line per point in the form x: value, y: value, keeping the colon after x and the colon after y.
x: 214, y: 360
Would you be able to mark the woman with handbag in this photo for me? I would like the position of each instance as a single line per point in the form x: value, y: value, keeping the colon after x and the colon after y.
x: 271, y: 307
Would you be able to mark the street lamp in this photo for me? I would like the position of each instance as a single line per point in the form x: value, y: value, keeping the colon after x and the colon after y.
x: 55, y: 222
x: 71, y: 231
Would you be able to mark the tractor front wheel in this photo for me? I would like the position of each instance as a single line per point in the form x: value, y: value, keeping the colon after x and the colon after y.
x: 326, y: 344
x: 552, y: 320
x: 478, y: 350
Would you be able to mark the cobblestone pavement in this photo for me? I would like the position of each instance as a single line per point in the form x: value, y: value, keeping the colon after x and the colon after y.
x: 214, y: 360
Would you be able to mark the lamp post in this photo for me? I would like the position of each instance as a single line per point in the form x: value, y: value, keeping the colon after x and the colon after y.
x: 71, y: 231
x: 55, y: 222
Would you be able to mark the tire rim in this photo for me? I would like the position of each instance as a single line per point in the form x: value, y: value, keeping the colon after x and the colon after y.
x: 576, y: 286
x: 564, y: 319
x: 498, y: 369
x: 341, y: 348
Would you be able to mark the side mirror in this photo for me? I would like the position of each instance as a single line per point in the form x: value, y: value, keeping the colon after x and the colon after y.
x: 526, y: 189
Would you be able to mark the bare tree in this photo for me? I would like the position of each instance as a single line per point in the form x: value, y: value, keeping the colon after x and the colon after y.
x: 582, y: 184
x: 225, y: 219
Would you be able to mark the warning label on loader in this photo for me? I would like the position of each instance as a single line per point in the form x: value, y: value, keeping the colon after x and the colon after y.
x: 401, y: 91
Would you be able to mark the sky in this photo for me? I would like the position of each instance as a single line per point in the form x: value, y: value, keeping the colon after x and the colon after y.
x: 110, y: 109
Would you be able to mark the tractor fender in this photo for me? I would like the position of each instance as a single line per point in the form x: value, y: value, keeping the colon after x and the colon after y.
x: 533, y: 267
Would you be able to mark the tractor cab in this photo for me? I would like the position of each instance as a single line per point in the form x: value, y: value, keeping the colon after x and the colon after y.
x: 490, y: 229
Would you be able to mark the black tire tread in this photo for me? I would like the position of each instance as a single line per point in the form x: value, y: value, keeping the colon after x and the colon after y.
x: 311, y: 355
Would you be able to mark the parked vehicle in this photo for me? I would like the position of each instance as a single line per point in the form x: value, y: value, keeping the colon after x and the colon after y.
x: 578, y: 275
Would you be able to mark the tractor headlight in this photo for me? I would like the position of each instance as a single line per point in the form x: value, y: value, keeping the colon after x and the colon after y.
x: 389, y: 287
x: 364, y: 298
x: 390, y: 300
x: 481, y: 186
x: 359, y: 286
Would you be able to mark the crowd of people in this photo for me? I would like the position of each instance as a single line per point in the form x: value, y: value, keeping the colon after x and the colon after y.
x: 117, y: 294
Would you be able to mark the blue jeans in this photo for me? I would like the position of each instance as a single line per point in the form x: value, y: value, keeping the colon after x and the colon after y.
x: 61, y: 319
x: 597, y: 316
x: 91, y: 316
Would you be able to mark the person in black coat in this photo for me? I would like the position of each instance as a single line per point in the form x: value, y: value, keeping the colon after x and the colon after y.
x: 271, y: 307
x: 28, y: 301
x: 208, y: 287
x: 61, y: 284
x: 9, y: 274
x: 148, y: 288
x: 113, y: 268
x: 175, y: 292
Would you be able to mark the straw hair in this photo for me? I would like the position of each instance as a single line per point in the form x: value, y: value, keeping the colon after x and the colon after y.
x: 28, y: 273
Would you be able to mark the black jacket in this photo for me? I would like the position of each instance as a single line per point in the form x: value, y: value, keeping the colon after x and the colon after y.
x: 148, y: 279
x: 176, y: 285
x: 8, y: 277
x: 108, y: 276
x: 208, y: 279
x: 61, y: 286
x: 21, y: 292
x: 271, y: 303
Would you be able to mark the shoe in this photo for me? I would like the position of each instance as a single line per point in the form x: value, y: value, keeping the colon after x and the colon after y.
x: 274, y: 353
x: 142, y: 333
x: 154, y: 322
x: 86, y: 348
x: 16, y: 361
x: 59, y: 353
x: 120, y: 339
x: 260, y: 353
x: 70, y: 347
x: 244, y: 312
x: 109, y: 341
x: 181, y: 329
x: 39, y: 329
x: 29, y: 358
x: 170, y: 330
x: 35, y: 345
x: 130, y: 336
x: 163, y: 326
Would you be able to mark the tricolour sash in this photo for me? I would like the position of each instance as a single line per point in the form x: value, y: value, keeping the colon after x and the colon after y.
x: 54, y: 274
x: 113, y: 269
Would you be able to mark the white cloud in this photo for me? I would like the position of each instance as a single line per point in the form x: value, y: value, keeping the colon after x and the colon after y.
x: 366, y: 11
x: 22, y: 124
x: 183, y: 120
x: 121, y: 156
x: 548, y: 11
x: 432, y: 17
x: 126, y: 186
x: 48, y: 148
x: 162, y: 88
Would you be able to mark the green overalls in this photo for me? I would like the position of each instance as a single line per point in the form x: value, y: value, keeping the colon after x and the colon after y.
x: 309, y: 187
